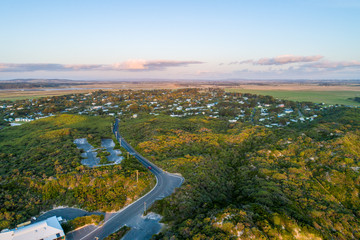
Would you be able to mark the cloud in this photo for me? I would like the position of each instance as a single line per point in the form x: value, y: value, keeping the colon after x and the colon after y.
x: 286, y: 59
x: 316, y: 70
x: 305, y: 63
x: 333, y: 65
x: 133, y: 65
x: 246, y: 61
x: 159, y: 65
x: 5, y: 67
x: 280, y: 60
x: 130, y: 65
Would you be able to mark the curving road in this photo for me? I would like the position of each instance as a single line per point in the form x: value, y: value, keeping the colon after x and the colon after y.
x: 165, y: 185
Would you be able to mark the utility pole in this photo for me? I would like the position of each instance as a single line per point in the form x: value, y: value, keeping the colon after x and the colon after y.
x: 137, y: 175
x: 128, y: 155
x: 144, y: 208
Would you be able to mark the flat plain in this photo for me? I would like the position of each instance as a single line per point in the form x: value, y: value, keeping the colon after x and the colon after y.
x: 31, y: 93
x: 333, y: 92
x: 328, y: 95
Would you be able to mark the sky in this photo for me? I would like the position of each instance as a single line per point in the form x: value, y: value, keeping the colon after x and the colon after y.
x: 187, y: 39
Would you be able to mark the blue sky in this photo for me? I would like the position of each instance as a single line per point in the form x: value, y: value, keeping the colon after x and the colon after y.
x: 259, y: 39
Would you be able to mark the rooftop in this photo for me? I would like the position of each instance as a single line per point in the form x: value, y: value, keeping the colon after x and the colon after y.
x: 48, y: 229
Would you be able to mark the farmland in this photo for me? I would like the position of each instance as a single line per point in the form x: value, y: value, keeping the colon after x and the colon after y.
x: 328, y: 92
x: 327, y: 97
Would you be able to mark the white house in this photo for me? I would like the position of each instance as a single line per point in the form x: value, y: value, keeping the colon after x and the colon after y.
x: 49, y: 229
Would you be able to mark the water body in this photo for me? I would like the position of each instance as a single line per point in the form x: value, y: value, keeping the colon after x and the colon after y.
x: 89, y: 155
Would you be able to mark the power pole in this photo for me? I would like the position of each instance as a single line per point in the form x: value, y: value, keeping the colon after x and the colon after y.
x: 128, y: 155
x: 137, y: 175
x: 144, y: 208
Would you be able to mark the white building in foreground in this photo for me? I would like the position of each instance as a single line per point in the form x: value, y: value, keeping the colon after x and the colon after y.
x: 49, y: 229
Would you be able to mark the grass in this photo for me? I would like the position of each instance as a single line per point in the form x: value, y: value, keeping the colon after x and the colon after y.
x: 17, y: 94
x: 21, y: 95
x: 327, y: 97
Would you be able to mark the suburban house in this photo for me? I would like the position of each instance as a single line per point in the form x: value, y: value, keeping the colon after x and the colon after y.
x: 49, y: 229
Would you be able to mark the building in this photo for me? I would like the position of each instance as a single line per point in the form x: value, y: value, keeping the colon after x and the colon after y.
x: 49, y: 229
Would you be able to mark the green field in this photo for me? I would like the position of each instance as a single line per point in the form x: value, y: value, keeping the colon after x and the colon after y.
x: 328, y: 97
x: 21, y: 95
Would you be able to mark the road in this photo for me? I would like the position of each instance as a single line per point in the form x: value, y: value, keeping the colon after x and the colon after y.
x: 165, y: 185
x: 66, y: 213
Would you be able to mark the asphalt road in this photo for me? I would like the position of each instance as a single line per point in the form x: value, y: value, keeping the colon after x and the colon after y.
x: 66, y: 213
x: 165, y: 185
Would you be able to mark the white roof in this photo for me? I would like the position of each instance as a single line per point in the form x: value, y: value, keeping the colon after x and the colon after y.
x: 6, y: 235
x: 46, y: 230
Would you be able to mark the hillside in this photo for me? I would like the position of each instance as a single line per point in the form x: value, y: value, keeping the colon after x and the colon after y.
x: 252, y: 182
x: 41, y: 168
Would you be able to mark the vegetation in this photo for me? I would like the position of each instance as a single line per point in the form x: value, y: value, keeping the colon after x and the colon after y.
x: 356, y: 99
x: 260, y: 110
x: 41, y: 168
x: 19, y: 95
x: 250, y: 182
x: 328, y: 97
x: 40, y: 84
x: 118, y: 234
x: 255, y: 167
x: 102, y: 154
x: 81, y: 221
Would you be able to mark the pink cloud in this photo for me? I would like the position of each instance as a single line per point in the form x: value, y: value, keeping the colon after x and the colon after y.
x: 132, y: 65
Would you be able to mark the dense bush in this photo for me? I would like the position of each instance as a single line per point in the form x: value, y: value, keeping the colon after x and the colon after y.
x: 118, y: 234
x: 81, y: 221
x: 254, y: 183
x: 41, y: 168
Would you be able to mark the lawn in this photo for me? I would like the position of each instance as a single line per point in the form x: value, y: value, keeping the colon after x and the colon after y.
x: 328, y: 97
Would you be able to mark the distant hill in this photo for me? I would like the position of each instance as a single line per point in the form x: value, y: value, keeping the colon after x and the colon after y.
x: 38, y: 80
x: 37, y: 83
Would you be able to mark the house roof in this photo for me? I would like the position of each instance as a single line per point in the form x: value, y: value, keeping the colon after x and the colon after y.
x: 46, y: 229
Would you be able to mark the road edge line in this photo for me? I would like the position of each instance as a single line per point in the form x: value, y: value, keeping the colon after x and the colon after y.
x: 121, y: 210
